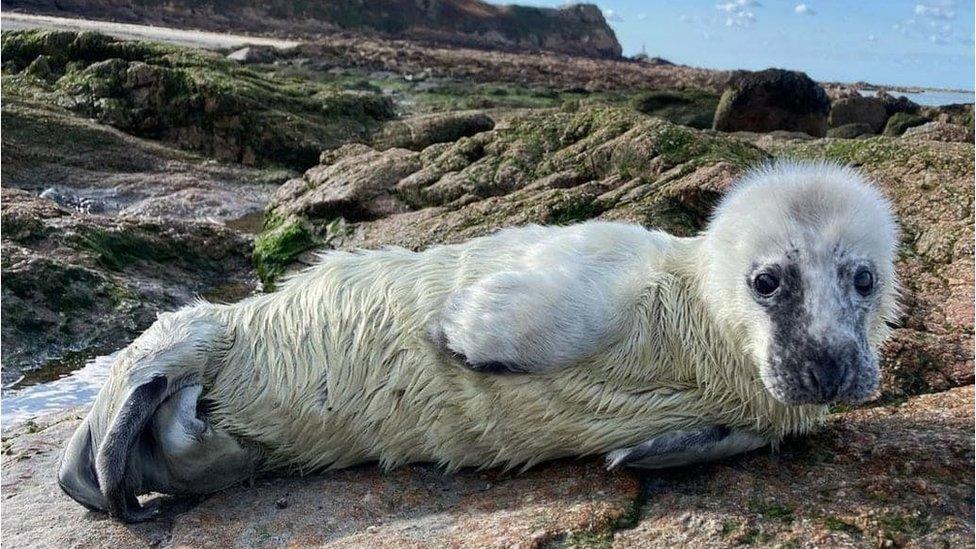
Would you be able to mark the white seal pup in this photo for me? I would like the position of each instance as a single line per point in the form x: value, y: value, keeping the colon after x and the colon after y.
x: 527, y: 345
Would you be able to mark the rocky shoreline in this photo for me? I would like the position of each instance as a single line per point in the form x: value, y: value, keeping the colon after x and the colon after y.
x: 140, y: 176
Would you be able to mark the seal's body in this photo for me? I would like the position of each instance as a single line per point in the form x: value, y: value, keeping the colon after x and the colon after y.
x: 526, y: 345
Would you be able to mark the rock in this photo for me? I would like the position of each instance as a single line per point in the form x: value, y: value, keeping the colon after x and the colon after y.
x: 894, y: 105
x: 39, y: 68
x: 198, y: 100
x: 357, y: 185
x: 941, y: 131
x: 773, y: 99
x: 78, y: 281
x: 851, y: 131
x: 901, y: 473
x: 898, y: 472
x: 694, y: 108
x: 511, y: 175
x: 255, y: 54
x: 416, y: 505
x: 899, y: 122
x: 961, y: 114
x: 419, y: 132
x: 90, y: 167
x: 858, y: 110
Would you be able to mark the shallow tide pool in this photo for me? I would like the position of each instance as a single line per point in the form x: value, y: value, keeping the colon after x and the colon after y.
x: 76, y: 388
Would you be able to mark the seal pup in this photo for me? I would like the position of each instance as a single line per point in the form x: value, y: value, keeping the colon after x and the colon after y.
x: 526, y: 345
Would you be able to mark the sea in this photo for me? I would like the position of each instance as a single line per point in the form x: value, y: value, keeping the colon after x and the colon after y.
x: 931, y: 98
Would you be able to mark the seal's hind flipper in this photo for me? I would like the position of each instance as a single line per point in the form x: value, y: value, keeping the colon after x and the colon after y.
x: 678, y: 448
x: 112, y: 457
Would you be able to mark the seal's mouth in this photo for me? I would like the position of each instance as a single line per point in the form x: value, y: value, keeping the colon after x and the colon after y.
x: 842, y: 374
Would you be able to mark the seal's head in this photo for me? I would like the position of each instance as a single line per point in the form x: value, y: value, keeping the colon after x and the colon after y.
x: 798, y: 266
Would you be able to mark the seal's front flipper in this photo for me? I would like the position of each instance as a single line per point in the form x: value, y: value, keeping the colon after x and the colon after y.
x: 525, y: 321
x: 678, y: 448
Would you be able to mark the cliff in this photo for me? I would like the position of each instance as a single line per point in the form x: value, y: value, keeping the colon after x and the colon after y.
x: 577, y: 29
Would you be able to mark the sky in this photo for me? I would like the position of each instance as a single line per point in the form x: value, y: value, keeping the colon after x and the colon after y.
x: 897, y: 42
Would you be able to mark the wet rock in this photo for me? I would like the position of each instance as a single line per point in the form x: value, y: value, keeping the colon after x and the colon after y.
x: 419, y: 132
x: 870, y: 111
x: 90, y: 167
x: 941, y: 131
x: 415, y: 505
x: 73, y: 280
x: 773, y: 99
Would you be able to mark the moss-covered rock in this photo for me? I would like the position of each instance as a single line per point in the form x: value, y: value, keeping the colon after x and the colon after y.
x: 77, y: 281
x: 278, y: 245
x: 850, y: 131
x: 899, y: 122
x: 198, y: 100
x: 419, y: 132
x: 959, y: 113
x: 554, y: 167
x: 694, y: 108
x: 870, y: 111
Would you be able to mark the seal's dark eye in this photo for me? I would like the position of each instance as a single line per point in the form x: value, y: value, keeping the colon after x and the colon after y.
x: 765, y: 284
x: 863, y: 281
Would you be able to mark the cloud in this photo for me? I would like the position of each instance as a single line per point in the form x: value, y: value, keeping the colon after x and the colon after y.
x: 872, y: 38
x: 643, y: 16
x: 738, y: 13
x: 931, y: 20
x: 803, y: 9
x: 936, y: 10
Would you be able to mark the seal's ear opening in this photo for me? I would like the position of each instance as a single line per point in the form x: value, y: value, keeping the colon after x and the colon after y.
x: 100, y: 478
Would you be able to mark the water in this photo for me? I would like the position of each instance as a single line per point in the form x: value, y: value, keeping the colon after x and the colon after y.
x: 931, y: 98
x: 31, y: 397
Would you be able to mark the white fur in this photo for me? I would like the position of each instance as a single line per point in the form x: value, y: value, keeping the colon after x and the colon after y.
x: 635, y: 333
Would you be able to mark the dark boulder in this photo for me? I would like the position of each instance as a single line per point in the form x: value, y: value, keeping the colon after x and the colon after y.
x: 773, y: 99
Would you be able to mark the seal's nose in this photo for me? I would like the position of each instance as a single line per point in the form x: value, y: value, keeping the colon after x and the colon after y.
x: 824, y: 376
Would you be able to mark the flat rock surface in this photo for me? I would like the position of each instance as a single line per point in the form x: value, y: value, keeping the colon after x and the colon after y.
x: 872, y: 477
